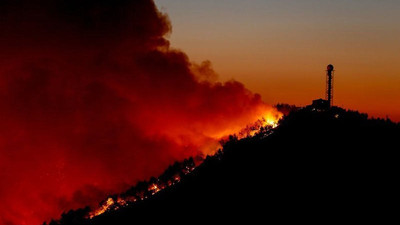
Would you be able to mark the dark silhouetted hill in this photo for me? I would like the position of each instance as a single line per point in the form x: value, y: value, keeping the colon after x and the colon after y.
x: 316, y: 167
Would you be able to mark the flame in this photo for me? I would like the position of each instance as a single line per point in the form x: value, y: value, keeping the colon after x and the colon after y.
x: 104, y: 208
x: 112, y: 205
x: 154, y: 189
x: 270, y: 119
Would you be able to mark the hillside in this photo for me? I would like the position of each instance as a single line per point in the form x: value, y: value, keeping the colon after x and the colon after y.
x: 329, y: 166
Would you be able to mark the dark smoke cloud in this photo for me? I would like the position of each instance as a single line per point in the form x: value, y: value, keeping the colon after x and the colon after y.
x: 92, y: 99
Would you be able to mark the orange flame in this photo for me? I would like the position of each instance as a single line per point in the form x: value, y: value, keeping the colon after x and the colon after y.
x: 269, y: 119
x: 104, y: 208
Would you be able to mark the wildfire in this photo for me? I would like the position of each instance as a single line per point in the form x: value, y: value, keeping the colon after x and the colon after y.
x: 269, y: 121
x: 154, y: 188
x: 112, y: 204
x: 105, y: 207
x: 271, y: 118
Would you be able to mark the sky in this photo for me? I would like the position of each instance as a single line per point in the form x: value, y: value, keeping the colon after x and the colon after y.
x: 280, y: 48
x: 93, y: 100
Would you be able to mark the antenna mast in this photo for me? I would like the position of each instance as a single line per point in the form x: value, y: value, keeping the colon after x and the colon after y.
x: 329, y: 84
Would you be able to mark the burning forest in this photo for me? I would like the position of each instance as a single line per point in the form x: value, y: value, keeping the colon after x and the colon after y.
x: 93, y: 99
x: 175, y: 173
x: 144, y: 190
x: 172, y: 176
x: 276, y: 171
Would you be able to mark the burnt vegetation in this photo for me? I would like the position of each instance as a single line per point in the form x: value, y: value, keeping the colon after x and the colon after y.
x: 316, y: 166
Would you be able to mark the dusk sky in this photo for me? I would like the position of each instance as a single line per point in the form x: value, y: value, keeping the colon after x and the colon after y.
x: 97, y: 95
x: 280, y: 48
x: 93, y: 100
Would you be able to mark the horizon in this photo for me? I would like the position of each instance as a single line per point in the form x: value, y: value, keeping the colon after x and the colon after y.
x: 254, y: 42
x: 99, y: 95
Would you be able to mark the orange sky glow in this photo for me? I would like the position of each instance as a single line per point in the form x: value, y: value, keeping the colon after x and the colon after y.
x: 280, y: 49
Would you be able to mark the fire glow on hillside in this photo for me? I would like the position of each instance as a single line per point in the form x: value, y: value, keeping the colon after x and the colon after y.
x: 269, y: 122
x: 96, y: 100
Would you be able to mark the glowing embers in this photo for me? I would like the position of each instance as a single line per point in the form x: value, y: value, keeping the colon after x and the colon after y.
x: 103, y: 208
x: 270, y: 121
x: 176, y: 172
x: 144, y: 190
x: 155, y: 188
x: 267, y: 122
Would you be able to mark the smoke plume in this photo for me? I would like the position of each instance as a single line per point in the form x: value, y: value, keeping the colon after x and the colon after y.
x: 93, y: 99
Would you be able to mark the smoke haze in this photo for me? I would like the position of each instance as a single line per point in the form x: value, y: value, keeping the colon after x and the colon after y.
x: 92, y: 100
